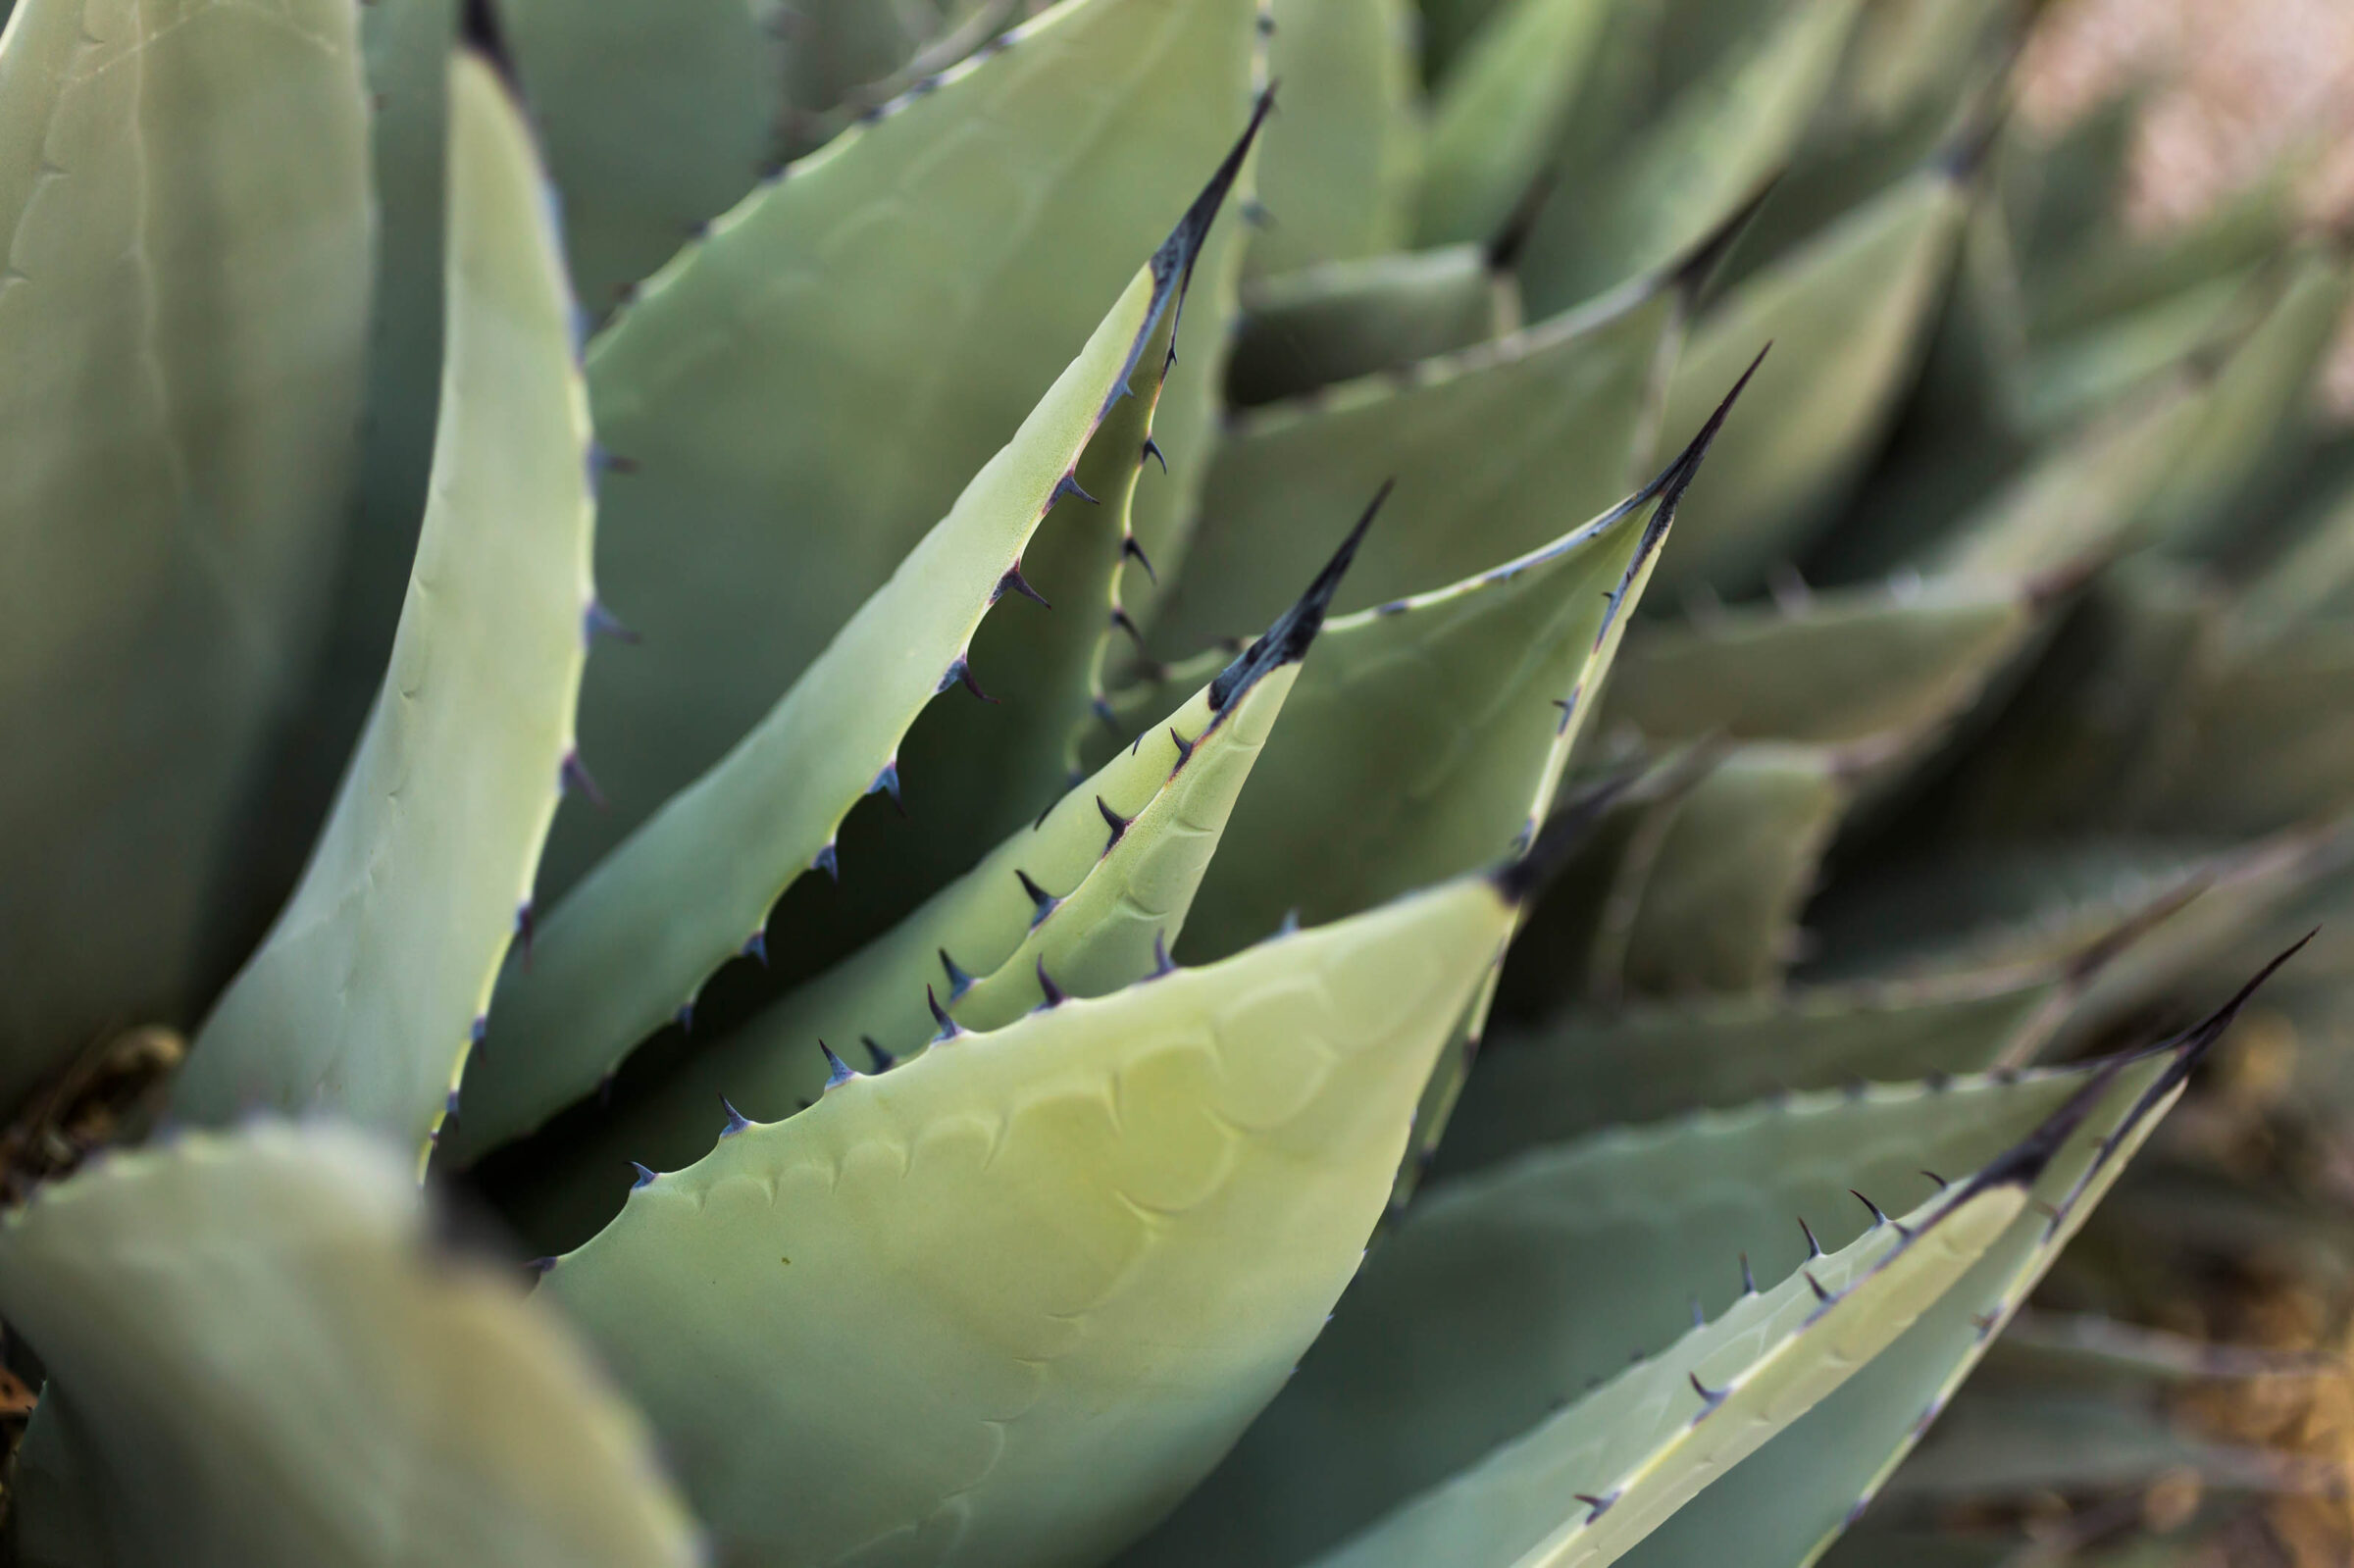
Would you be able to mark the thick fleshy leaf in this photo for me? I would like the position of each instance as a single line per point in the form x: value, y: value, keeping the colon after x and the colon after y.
x: 1492, y: 449
x: 1334, y: 322
x: 656, y: 116
x: 1498, y: 113
x: 185, y: 308
x: 1429, y: 736
x: 807, y: 389
x: 1485, y: 1309
x: 1034, y: 1281
x: 1792, y: 1499
x: 1708, y: 900
x: 632, y: 944
x: 1847, y: 314
x: 1087, y: 898
x: 1337, y: 178
x: 2240, y: 751
x: 1837, y: 667
x: 256, y: 1357
x: 366, y: 998
x: 1709, y: 150
x: 1589, y: 1071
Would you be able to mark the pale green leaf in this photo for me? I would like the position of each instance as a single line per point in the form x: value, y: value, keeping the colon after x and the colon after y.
x: 364, y: 1000
x: 1500, y: 111
x: 1032, y: 1282
x: 256, y: 1357
x: 1334, y: 322
x: 1337, y: 176
x: 184, y: 309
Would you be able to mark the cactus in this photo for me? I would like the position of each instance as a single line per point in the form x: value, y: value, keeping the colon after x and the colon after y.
x: 1173, y: 753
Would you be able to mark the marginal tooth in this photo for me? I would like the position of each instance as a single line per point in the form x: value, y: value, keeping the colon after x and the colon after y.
x: 1134, y: 551
x: 887, y: 782
x: 1020, y: 584
x: 1054, y: 994
x: 1113, y: 821
x: 598, y: 622
x: 838, y: 1071
x: 1042, y: 901
x: 958, y: 981
x: 572, y: 778
x: 1814, y: 1247
x: 756, y: 946
x: 1153, y: 450
x: 1161, y: 964
x: 883, y: 1060
x: 1185, y: 748
x: 1123, y: 621
x: 737, y: 1119
x: 1877, y: 1217
x: 949, y: 1029
x: 827, y: 860
x: 1068, y: 484
x: 646, y: 1178
x: 1749, y: 1281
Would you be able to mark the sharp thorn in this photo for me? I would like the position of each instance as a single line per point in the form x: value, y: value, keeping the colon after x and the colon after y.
x: 737, y: 1119
x: 1135, y: 552
x: 882, y: 1059
x: 828, y: 860
x: 524, y: 927
x: 1153, y: 451
x: 1042, y: 901
x: 958, y: 981
x: 1161, y: 964
x: 1711, y: 1397
x: 1054, y: 994
x: 949, y: 1029
x: 888, y: 782
x: 1287, y: 642
x: 646, y: 1178
x: 598, y: 622
x: 1749, y: 1281
x: 1112, y: 819
x: 683, y: 1018
x: 1121, y: 619
x: 1815, y: 1285
x: 1185, y: 748
x: 1069, y: 485
x: 571, y: 775
x: 1020, y: 584
x: 838, y: 1071
x: 1877, y: 1217
x: 1814, y: 1247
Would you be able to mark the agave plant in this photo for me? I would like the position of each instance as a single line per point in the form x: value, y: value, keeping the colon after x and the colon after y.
x: 1139, y: 765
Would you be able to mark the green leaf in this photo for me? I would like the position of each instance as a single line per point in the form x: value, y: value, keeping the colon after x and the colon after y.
x: 1788, y: 1502
x: 1835, y: 667
x: 655, y: 117
x: 364, y: 1000
x: 1429, y: 736
x: 1498, y: 113
x: 1498, y: 1296
x: 2238, y: 751
x: 1999, y: 1445
x: 1709, y: 898
x: 256, y: 1357
x: 805, y: 391
x: 1338, y: 174
x: 184, y: 309
x: 2256, y: 406
x: 1116, y: 901
x: 632, y: 944
x: 1588, y: 1071
x: 1710, y: 149
x: 1492, y: 450
x: 1343, y: 319
x: 1848, y: 314
x: 1145, y: 1203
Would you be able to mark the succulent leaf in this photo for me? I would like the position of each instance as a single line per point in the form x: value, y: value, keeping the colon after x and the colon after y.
x: 980, y: 950
x: 655, y: 116
x: 1498, y: 115
x: 962, y: 1266
x: 249, y: 1339
x: 1848, y: 312
x: 1835, y: 667
x: 1337, y: 178
x: 1491, y: 449
x: 1587, y: 1071
x: 1710, y: 149
x: 1383, y: 776
x: 636, y: 940
x: 364, y: 998
x: 185, y: 304
x: 1343, y: 319
x: 803, y: 392
x: 1793, y: 1497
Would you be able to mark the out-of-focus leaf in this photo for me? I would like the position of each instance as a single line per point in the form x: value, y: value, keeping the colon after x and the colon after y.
x: 1344, y: 320
x: 1337, y: 176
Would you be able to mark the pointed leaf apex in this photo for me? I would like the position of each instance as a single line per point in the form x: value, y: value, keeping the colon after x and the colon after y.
x: 1690, y: 275
x: 1287, y: 642
x: 1523, y: 878
x: 480, y: 32
x: 1175, y: 259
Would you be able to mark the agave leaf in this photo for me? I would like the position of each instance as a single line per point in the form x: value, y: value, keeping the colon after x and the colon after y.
x: 832, y: 48
x: 2009, y: 1444
x: 806, y: 389
x: 1645, y: 1440
x: 2239, y: 750
x: 2311, y: 578
x: 366, y: 997
x: 1791, y: 1499
x: 2256, y: 405
x: 1343, y: 319
x: 1837, y: 667
x: 1490, y: 448
x: 1429, y: 737
x: 255, y: 1357
x: 2086, y: 1347
x: 1338, y: 173
x: 655, y: 116
x: 955, y: 1267
x: 1588, y: 1071
x: 1848, y: 312
x: 1122, y: 852
x: 1707, y: 152
x: 1484, y: 1309
x: 634, y: 943
x: 1710, y: 898
x: 1498, y: 113
x: 2079, y: 496
x: 186, y: 195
